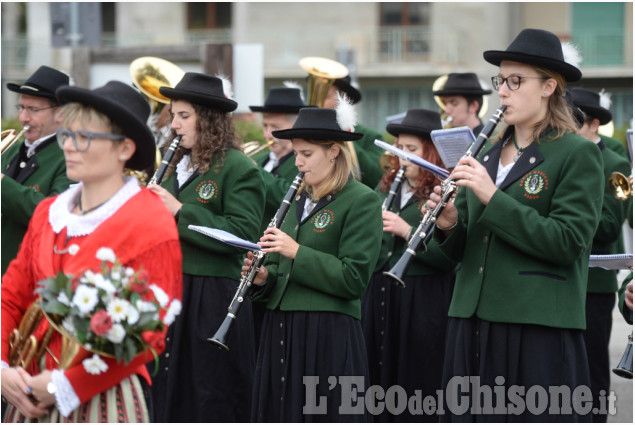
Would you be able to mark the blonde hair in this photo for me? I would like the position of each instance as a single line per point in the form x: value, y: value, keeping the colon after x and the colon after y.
x: 85, y: 114
x: 343, y: 165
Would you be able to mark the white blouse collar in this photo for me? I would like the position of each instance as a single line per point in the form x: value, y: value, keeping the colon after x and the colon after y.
x: 60, y: 215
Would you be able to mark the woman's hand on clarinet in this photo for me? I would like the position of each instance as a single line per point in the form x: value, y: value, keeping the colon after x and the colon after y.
x: 18, y: 393
x: 628, y: 295
x: 168, y: 199
x: 263, y: 273
x: 396, y: 225
x: 449, y: 216
x: 275, y: 240
x: 471, y: 173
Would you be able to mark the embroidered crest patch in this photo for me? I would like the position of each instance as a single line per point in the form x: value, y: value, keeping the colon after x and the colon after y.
x: 322, y: 219
x: 35, y: 188
x: 206, y: 190
x: 422, y: 208
x: 534, y: 183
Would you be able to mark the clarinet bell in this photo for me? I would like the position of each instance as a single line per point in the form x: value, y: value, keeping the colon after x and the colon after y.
x: 625, y: 368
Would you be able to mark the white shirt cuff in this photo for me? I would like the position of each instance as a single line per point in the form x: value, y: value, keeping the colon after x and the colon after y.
x: 65, y: 397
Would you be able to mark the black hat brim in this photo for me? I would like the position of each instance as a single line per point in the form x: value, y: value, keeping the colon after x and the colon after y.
x: 569, y: 72
x: 222, y: 103
x: 397, y: 129
x: 317, y: 134
x: 135, y: 129
x: 461, y: 92
x: 351, y: 92
x: 603, y: 115
x: 277, y: 109
x: 18, y: 89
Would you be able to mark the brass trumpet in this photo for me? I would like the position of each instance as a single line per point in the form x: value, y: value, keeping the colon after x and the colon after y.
x: 254, y: 147
x: 9, y: 137
x: 621, y: 187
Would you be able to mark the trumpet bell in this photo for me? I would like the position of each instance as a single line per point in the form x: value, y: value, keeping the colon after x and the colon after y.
x: 625, y: 367
x: 621, y: 187
x: 10, y: 136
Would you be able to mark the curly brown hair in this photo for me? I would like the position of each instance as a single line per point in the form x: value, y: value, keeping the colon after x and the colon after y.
x: 216, y: 133
x: 425, y: 182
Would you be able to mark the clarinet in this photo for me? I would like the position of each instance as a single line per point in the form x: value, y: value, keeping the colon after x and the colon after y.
x: 167, y: 158
x: 423, y: 234
x: 247, y: 280
x: 394, y: 187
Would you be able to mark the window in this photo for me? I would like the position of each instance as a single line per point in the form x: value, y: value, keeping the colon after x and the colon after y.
x: 598, y: 30
x: 201, y: 16
x: 403, y: 33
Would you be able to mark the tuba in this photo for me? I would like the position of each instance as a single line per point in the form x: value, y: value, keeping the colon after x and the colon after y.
x: 322, y: 74
x: 148, y: 74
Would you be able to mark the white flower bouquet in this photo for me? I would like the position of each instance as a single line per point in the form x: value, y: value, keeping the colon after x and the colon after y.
x: 114, y: 313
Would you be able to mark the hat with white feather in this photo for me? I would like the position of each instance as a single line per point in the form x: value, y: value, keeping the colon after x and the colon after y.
x: 324, y: 124
x: 540, y: 48
x: 593, y: 104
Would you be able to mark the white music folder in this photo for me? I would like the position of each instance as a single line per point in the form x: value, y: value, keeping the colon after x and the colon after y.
x: 226, y: 237
x: 452, y: 144
x: 612, y: 261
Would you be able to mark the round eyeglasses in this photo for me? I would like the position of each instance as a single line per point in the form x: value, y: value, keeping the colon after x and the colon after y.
x: 513, y: 81
x: 82, y: 138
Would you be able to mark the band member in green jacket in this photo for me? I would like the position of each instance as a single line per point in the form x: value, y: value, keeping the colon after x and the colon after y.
x: 402, y: 324
x: 522, y: 225
x: 317, y: 269
x: 211, y: 183
x: 35, y: 168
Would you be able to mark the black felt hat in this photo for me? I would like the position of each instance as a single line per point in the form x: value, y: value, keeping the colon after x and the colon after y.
x: 127, y: 108
x: 589, y: 102
x: 318, y: 124
x: 464, y: 84
x: 419, y: 122
x: 43, y: 83
x: 538, y: 48
x: 344, y: 84
x: 201, y: 89
x: 281, y: 100
x: 578, y: 115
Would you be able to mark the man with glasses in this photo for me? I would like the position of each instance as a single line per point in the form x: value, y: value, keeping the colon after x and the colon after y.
x: 33, y: 169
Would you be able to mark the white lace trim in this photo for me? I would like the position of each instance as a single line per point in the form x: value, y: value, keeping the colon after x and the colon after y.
x: 60, y: 215
x: 184, y: 170
x: 4, y: 365
x: 65, y: 397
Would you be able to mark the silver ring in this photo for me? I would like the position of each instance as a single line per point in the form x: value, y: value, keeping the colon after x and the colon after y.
x: 469, y: 177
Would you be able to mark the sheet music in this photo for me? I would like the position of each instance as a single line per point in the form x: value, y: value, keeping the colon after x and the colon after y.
x: 612, y: 262
x: 452, y: 144
x: 426, y: 165
x: 225, y: 237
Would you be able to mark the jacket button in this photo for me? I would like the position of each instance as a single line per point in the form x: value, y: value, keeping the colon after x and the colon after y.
x: 480, y: 270
x: 389, y: 253
x: 485, y: 239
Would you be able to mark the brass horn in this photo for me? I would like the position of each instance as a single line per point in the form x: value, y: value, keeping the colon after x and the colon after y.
x: 254, y: 147
x: 322, y: 74
x: 621, y: 187
x: 10, y: 136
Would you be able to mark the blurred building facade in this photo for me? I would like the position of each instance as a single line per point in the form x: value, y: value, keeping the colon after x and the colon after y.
x: 394, y: 51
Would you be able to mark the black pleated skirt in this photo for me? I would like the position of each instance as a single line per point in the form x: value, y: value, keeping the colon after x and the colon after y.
x: 404, y: 329
x: 303, y: 359
x: 502, y: 355
x: 197, y: 381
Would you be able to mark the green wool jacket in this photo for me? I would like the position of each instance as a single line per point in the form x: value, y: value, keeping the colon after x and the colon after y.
x: 277, y: 184
x: 525, y: 256
x: 230, y: 197
x: 368, y: 154
x: 615, y: 145
x: 606, y: 239
x: 44, y: 175
x: 432, y: 261
x: 339, y: 246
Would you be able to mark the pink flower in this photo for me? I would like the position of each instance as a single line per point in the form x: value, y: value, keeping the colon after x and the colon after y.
x: 154, y: 339
x: 101, y: 322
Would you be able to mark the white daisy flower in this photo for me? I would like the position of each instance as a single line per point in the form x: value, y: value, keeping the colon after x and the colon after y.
x: 85, y: 299
x: 89, y: 276
x: 133, y: 315
x: 63, y: 298
x: 106, y: 254
x: 160, y: 295
x: 116, y: 275
x: 129, y: 271
x: 94, y: 365
x: 118, y: 309
x: 116, y: 334
x: 173, y: 311
x: 104, y: 284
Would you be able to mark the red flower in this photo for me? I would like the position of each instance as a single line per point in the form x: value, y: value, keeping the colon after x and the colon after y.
x: 100, y: 323
x: 143, y: 276
x: 154, y: 339
x: 139, y: 287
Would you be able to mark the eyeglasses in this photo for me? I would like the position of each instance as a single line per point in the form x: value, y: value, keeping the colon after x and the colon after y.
x: 513, y: 81
x: 82, y: 138
x: 31, y: 110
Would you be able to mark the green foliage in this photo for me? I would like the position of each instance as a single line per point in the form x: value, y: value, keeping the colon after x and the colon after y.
x: 8, y: 123
x: 249, y: 130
